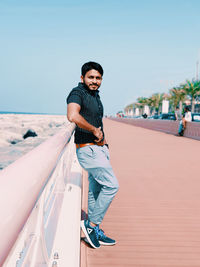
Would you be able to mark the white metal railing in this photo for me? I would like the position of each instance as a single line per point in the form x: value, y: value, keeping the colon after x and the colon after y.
x: 47, y: 191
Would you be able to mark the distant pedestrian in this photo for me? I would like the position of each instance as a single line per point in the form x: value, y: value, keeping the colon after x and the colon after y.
x: 178, y: 114
x: 86, y: 110
x: 186, y: 117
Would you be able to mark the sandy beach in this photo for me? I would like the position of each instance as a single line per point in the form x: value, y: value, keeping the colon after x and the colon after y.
x: 13, y: 130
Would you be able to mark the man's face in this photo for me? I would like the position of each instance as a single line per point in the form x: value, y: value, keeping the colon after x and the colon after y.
x: 92, y: 79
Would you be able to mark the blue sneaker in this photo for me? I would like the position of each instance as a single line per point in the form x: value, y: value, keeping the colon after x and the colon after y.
x: 103, y: 239
x: 91, y: 233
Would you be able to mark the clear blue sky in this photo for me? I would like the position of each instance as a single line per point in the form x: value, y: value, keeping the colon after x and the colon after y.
x: 144, y: 46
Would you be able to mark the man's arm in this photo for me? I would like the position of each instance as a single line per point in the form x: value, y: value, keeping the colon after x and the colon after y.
x: 73, y: 115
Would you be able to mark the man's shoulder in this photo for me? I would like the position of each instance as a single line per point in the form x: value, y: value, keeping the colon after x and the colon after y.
x: 76, y: 95
x: 78, y: 90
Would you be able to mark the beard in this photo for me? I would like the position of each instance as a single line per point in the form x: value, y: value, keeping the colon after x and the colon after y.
x: 92, y: 86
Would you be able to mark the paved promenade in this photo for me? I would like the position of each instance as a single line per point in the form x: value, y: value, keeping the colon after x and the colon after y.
x: 155, y: 217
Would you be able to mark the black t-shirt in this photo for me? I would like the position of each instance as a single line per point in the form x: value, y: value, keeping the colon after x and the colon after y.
x: 91, y: 110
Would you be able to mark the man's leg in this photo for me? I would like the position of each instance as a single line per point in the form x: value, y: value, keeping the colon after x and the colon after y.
x: 95, y: 160
x: 93, y: 193
x: 90, y: 231
x: 109, y: 187
x: 180, y: 129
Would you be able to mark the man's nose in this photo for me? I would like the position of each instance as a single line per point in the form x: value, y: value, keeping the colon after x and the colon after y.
x: 94, y: 80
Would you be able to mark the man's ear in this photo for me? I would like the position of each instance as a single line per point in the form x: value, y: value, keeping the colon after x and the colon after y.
x: 82, y: 80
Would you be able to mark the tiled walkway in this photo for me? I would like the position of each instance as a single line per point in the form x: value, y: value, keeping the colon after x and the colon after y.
x: 155, y: 217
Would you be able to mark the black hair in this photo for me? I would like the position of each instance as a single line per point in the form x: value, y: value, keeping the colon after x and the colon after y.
x: 91, y: 66
x: 187, y: 108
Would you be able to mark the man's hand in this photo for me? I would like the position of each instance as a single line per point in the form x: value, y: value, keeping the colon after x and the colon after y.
x: 184, y: 123
x: 98, y: 133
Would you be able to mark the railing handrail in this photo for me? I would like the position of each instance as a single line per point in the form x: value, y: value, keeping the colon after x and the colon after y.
x: 21, y: 183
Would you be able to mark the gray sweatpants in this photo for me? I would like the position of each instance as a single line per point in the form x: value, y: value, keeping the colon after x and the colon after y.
x: 103, y: 184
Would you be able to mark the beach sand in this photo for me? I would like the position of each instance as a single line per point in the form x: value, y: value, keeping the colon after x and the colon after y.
x: 14, y: 126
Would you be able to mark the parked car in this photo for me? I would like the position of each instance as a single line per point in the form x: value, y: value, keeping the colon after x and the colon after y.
x: 167, y: 116
x: 195, y: 117
x: 137, y: 117
x: 153, y: 117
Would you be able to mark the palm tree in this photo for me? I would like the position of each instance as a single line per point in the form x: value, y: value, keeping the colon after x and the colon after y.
x: 155, y: 102
x: 141, y: 102
x: 192, y: 89
x: 129, y: 108
x: 177, y: 97
x: 152, y: 104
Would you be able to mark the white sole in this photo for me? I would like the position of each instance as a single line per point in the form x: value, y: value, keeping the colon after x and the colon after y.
x: 100, y: 242
x: 86, y: 234
x: 106, y: 244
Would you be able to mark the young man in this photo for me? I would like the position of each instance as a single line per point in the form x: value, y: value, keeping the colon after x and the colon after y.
x: 86, y: 111
x: 178, y: 114
x: 186, y: 117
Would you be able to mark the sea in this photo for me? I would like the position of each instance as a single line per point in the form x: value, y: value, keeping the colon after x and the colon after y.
x: 14, y: 126
x: 33, y: 113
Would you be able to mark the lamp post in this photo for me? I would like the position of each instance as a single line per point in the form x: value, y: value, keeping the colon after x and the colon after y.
x: 197, y: 70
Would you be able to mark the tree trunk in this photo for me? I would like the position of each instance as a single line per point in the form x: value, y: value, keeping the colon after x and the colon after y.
x: 192, y: 104
x: 159, y: 109
x: 181, y: 106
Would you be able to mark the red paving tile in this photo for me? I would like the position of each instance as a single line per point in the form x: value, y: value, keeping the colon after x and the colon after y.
x: 155, y: 216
